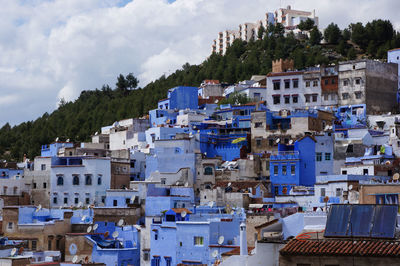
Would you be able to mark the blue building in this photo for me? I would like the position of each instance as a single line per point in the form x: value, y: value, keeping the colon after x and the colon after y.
x: 52, y: 149
x: 10, y: 170
x: 163, y: 133
x: 351, y: 116
x: 159, y: 117
x: 122, y: 250
x: 191, y: 237
x: 183, y: 98
x: 293, y: 165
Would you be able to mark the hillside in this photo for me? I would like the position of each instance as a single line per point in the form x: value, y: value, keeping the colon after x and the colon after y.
x: 100, y: 107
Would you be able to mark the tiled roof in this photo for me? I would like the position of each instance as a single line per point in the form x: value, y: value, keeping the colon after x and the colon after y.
x: 342, y: 247
x: 289, y: 73
x: 236, y: 251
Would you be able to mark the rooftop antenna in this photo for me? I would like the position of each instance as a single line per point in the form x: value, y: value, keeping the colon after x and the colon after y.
x: 95, y: 226
x: 13, y: 251
x: 89, y: 229
x: 72, y: 249
x: 221, y: 240
x: 121, y: 222
x: 75, y: 259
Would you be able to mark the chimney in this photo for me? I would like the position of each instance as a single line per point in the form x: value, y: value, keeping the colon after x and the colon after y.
x: 243, y: 240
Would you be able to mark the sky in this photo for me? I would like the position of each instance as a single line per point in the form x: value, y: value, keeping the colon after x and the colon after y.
x: 53, y: 49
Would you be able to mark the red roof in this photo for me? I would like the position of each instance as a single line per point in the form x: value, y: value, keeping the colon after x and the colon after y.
x: 342, y: 247
x: 289, y: 73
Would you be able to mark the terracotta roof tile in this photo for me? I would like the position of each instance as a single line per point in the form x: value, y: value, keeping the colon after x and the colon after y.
x: 335, y: 247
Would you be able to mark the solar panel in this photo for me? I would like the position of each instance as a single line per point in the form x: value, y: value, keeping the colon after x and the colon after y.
x: 338, y: 219
x: 361, y: 220
x: 384, y: 223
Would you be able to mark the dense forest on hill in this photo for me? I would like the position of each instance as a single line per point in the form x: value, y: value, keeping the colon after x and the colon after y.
x: 93, y: 109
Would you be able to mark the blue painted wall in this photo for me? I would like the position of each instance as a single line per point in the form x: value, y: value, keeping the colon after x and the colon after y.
x: 183, y: 97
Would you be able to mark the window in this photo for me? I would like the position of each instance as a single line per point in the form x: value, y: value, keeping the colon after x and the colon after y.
x: 60, y: 180
x: 287, y: 99
x: 156, y: 235
x: 75, y: 180
x: 293, y: 169
x: 88, y: 180
x: 87, y: 200
x: 168, y: 261
x: 267, y: 166
x: 338, y: 192
x: 115, y: 203
x: 276, y: 190
x: 43, y: 167
x: 275, y: 170
x: 344, y: 172
x: 277, y: 85
x: 323, y: 192
x: 49, y: 240
x: 65, y: 200
x: 58, y: 242
x: 326, y: 97
x: 307, y: 96
x: 271, y: 142
x: 33, y: 244
x: 307, y: 84
x: 99, y: 180
x: 146, y: 255
x: 358, y: 81
x: 10, y: 225
x: 55, y: 200
x: 44, y: 185
x: 345, y: 82
x: 315, y: 83
x: 76, y: 200
x: 133, y: 163
x: 327, y: 156
x: 365, y: 171
x: 358, y: 94
x: 295, y: 98
x: 333, y: 81
x: 258, y: 124
x: 349, y: 148
x: 198, y: 241
x: 345, y: 96
x: 258, y: 142
x: 34, y: 185
x: 295, y: 83
x: 163, y: 180
x: 326, y: 81
x: 318, y: 156
x: 287, y: 83
x: 208, y: 170
x: 277, y: 99
x: 314, y: 97
x: 155, y: 261
x: 284, y: 167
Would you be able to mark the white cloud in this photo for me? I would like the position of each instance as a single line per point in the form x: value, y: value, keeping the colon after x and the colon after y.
x: 53, y: 49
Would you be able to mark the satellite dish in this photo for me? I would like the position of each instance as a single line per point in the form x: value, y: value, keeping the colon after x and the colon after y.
x: 396, y: 176
x: 229, y: 184
x: 186, y: 184
x: 291, y: 142
x: 57, y: 139
x: 115, y: 234
x: 137, y: 227
x: 89, y: 229
x: 39, y: 207
x: 80, y: 204
x: 221, y: 240
x: 326, y: 127
x: 350, y: 187
x: 133, y: 198
x: 67, y: 140
x: 83, y: 218
x: 20, y: 250
x: 75, y: 259
x: 215, y: 253
x: 277, y: 140
x: 60, y: 207
x: 13, y: 251
x: 120, y: 222
x: 232, y: 212
x: 106, y: 234
x: 326, y: 199
x: 96, y: 133
x: 183, y: 214
x: 211, y: 204
x: 73, y: 248
x: 95, y: 227
x: 86, y: 259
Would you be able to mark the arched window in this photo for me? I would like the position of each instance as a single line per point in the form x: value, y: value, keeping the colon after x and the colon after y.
x: 99, y: 180
x: 88, y: 180
x: 208, y: 170
x: 75, y: 180
x: 60, y: 180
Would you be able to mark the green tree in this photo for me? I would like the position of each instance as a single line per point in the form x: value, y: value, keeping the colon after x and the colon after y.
x: 351, y: 54
x: 261, y: 32
x: 332, y: 34
x: 359, y: 35
x: 306, y: 25
x: 132, y: 81
x: 315, y: 36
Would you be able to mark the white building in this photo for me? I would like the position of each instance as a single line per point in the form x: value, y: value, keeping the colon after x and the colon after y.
x: 291, y: 18
x: 288, y: 90
x: 79, y: 179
